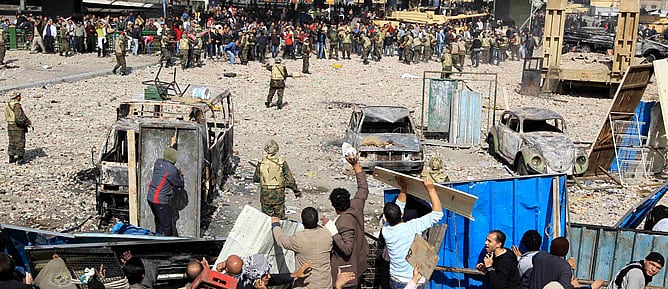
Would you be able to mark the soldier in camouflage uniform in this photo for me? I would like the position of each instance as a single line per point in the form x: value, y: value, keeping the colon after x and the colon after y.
x: 17, y: 126
x: 2, y: 46
x: 347, y: 44
x: 306, y: 55
x: 165, y: 48
x: 434, y: 171
x: 446, y: 63
x: 274, y: 175
x: 333, y: 36
x: 378, y: 46
x: 366, y: 45
x: 277, y: 83
x: 198, y: 44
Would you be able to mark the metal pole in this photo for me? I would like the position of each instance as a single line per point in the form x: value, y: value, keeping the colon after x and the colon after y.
x: 164, y: 9
x: 22, y: 5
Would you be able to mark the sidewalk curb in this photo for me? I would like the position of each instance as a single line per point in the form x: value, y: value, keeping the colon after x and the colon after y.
x: 70, y: 78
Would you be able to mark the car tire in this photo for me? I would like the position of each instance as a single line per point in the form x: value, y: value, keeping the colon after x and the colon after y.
x: 521, y: 167
x: 650, y: 58
x: 490, y: 143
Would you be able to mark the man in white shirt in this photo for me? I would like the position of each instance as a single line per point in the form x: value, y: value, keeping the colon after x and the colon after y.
x: 399, y: 235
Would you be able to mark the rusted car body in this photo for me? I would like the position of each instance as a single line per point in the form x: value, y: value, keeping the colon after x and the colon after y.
x: 535, y: 141
x: 385, y: 136
x: 143, y: 128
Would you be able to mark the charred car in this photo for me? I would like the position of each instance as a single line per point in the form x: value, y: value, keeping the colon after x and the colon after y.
x: 651, y: 48
x: 200, y: 119
x: 534, y: 140
x: 385, y: 136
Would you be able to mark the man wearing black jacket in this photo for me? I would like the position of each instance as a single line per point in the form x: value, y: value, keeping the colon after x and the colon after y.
x: 500, y: 264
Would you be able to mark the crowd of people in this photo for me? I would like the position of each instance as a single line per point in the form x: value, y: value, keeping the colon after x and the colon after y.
x: 329, y: 253
x: 240, y: 35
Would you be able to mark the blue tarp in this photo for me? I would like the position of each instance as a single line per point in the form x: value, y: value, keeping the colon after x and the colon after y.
x: 512, y: 205
x: 635, y: 216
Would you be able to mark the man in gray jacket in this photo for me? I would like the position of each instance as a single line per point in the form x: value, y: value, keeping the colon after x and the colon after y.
x: 636, y: 275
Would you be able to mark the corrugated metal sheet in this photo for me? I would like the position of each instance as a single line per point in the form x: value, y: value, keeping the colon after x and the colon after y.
x: 440, y: 101
x: 466, y: 118
x: 601, y: 252
x: 512, y: 205
x: 252, y: 234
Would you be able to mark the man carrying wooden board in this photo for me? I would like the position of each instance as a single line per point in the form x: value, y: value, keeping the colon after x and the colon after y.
x: 398, y: 234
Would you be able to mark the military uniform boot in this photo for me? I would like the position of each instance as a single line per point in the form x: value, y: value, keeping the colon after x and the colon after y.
x: 20, y: 161
x: 12, y: 159
x: 114, y: 71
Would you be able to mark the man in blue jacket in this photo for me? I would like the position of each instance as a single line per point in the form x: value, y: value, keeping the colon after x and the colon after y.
x: 167, y: 180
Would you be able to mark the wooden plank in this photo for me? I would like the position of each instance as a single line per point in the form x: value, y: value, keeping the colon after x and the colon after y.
x: 602, y: 152
x: 436, y: 235
x: 451, y: 199
x: 661, y: 71
x: 132, y: 178
x: 422, y: 254
x: 556, y: 209
x: 604, y: 254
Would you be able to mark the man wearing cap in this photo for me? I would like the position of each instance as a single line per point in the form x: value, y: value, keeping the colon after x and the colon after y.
x: 17, y: 126
x: 277, y: 83
x: 274, y: 175
x: 167, y: 180
x: 636, y: 275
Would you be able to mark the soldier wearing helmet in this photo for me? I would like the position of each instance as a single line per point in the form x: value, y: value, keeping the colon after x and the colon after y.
x: 277, y: 83
x: 434, y: 171
x: 274, y: 175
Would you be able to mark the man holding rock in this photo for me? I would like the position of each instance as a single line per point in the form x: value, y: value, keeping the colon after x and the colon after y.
x: 17, y: 126
x: 274, y: 175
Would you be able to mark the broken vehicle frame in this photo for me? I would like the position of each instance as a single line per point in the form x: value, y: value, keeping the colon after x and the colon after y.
x: 401, y: 149
x: 535, y: 141
x: 117, y: 187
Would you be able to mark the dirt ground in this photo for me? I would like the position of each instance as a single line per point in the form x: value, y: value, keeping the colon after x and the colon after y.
x: 55, y: 190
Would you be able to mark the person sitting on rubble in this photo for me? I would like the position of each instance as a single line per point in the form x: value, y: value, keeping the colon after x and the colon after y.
x: 398, y: 234
x: 134, y: 271
x: 551, y: 270
x: 637, y: 274
x: 530, y: 245
x: 253, y: 271
x: 657, y: 219
x: 8, y: 278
